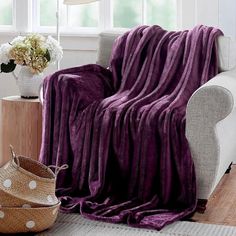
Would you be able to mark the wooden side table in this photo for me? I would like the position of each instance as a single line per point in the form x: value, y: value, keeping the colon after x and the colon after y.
x: 21, y: 126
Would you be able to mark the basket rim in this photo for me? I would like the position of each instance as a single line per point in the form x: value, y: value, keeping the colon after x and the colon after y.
x: 28, y: 200
x: 22, y: 170
x: 31, y: 208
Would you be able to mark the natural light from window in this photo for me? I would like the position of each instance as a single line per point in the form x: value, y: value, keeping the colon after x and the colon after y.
x: 86, y: 15
x: 113, y: 14
x: 127, y: 14
x: 162, y: 12
x: 47, y: 12
x: 6, y: 12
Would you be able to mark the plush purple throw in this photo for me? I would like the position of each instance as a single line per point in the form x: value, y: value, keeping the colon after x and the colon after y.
x: 122, y: 131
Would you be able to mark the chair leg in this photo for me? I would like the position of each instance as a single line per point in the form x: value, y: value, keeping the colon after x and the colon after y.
x: 201, y: 205
x: 229, y: 168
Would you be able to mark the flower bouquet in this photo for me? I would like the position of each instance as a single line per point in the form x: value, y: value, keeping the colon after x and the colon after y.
x: 34, y: 53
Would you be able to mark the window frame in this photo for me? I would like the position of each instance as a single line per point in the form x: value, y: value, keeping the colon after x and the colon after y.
x: 31, y: 20
x: 63, y: 30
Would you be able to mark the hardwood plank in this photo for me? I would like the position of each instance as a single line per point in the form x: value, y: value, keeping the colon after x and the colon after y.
x: 21, y: 126
x: 221, y: 207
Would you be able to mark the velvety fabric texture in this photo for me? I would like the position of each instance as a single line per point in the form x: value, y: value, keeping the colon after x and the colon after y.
x: 122, y: 130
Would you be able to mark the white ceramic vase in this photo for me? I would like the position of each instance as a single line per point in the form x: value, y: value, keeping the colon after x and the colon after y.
x: 28, y: 83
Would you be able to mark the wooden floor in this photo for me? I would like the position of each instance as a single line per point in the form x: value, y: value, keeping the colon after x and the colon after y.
x: 221, y: 207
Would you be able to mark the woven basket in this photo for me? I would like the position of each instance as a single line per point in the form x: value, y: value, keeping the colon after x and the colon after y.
x: 22, y: 220
x: 29, y: 181
x: 7, y: 200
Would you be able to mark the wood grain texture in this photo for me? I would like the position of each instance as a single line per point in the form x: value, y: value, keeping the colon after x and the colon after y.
x: 221, y: 207
x: 21, y: 126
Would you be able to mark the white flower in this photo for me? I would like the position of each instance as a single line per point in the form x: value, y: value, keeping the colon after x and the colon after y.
x: 55, y: 50
x: 4, y: 53
x: 18, y: 39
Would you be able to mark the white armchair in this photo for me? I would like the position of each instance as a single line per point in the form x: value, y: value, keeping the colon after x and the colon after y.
x: 210, y: 118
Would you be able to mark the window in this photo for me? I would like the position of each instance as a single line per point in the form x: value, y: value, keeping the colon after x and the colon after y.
x: 86, y: 15
x: 125, y: 14
x: 6, y: 16
x: 47, y: 12
x: 40, y: 15
x: 130, y: 13
x: 162, y: 12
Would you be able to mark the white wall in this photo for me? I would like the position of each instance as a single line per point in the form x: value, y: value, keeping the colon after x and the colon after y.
x: 218, y: 13
x: 227, y: 17
x: 194, y: 12
x: 79, y: 50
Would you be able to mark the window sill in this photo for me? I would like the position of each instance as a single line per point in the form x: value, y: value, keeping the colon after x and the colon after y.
x: 70, y: 32
x: 78, y: 40
x: 73, y: 32
x: 76, y: 33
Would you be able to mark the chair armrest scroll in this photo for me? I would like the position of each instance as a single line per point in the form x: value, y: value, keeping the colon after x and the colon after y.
x: 210, y: 105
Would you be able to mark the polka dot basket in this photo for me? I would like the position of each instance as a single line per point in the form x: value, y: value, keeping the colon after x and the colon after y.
x: 27, y: 180
x: 22, y: 220
x: 27, y: 195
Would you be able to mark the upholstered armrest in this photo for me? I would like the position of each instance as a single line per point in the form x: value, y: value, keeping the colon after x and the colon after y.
x: 210, y: 128
x: 88, y: 84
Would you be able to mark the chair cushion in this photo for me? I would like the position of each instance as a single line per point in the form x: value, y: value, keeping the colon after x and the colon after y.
x: 106, y: 40
x: 227, y: 53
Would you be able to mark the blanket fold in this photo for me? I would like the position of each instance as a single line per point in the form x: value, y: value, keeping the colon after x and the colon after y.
x: 122, y: 130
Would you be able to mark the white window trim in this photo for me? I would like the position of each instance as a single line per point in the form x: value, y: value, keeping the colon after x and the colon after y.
x: 105, y: 22
x: 105, y: 14
x: 30, y: 9
x: 83, y: 31
x: 23, y: 16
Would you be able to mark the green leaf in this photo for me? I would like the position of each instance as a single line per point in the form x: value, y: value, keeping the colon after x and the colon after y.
x: 47, y: 55
x: 7, y: 68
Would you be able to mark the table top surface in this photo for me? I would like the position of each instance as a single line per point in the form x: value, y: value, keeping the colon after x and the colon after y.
x: 19, y: 99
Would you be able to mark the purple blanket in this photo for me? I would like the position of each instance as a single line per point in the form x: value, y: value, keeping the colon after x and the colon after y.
x: 122, y: 131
